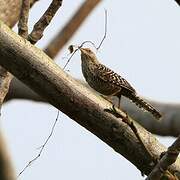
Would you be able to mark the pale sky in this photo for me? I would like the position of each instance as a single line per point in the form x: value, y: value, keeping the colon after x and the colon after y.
x: 142, y: 45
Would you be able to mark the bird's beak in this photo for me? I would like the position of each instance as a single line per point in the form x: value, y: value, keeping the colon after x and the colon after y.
x: 83, y: 50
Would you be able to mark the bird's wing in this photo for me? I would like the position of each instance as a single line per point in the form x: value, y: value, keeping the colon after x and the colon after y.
x: 110, y: 76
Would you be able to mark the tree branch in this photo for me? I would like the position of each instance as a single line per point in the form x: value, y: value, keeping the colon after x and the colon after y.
x: 23, y: 20
x: 41, y: 74
x: 178, y: 2
x: 167, y: 159
x: 44, y: 21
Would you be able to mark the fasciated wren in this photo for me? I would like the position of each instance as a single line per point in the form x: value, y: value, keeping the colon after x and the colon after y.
x: 109, y: 83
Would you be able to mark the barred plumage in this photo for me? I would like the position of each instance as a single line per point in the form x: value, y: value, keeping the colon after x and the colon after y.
x: 109, y: 83
x: 110, y: 76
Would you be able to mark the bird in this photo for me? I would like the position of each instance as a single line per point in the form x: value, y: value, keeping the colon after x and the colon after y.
x: 107, y: 82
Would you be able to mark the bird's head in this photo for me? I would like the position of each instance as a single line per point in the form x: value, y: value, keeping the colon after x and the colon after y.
x: 88, y: 55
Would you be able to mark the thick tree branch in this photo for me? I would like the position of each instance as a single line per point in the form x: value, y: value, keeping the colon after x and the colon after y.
x: 168, y: 126
x: 42, y: 75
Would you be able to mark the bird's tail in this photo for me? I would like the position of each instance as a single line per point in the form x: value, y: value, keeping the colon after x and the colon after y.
x: 146, y: 106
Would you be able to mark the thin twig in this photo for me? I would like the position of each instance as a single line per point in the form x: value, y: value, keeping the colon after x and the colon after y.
x: 41, y: 147
x: 70, y: 58
x: 23, y: 20
x: 168, y: 158
x: 70, y: 28
x: 82, y: 44
x: 44, y: 21
x: 105, y: 31
x: 73, y: 51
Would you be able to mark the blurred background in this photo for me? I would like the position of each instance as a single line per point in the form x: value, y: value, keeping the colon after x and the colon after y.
x: 142, y: 45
